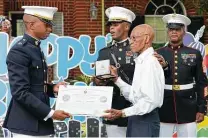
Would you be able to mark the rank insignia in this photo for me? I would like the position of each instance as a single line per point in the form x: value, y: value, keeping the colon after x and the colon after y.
x: 190, y: 57
x: 129, y: 53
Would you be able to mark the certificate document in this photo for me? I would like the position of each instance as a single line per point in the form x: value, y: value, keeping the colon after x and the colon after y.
x: 84, y: 100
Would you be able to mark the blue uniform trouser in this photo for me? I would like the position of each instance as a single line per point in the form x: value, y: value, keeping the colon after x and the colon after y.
x: 147, y: 125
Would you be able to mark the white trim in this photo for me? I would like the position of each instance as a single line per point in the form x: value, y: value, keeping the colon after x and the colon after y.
x: 165, y: 4
x: 183, y: 7
x: 156, y: 16
x: 153, y: 4
x: 162, y: 6
x: 176, y: 3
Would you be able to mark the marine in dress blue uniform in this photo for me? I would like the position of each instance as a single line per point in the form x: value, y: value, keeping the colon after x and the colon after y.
x: 185, y: 82
x: 29, y: 111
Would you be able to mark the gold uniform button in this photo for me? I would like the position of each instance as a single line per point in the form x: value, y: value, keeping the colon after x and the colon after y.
x: 176, y: 67
x: 176, y: 80
x: 176, y: 56
x: 120, y: 49
x: 176, y: 73
x: 176, y: 62
x: 45, y: 81
x: 176, y: 52
x: 119, y: 58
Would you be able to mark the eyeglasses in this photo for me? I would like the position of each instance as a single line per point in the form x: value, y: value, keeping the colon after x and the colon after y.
x: 28, y: 22
x: 6, y: 24
x: 134, y: 38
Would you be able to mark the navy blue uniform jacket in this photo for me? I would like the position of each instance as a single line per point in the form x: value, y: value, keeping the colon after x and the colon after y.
x: 185, y: 67
x: 30, y: 93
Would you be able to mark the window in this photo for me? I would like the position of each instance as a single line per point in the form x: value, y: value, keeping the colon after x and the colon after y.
x: 155, y: 10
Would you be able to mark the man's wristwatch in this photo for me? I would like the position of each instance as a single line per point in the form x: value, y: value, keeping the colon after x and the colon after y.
x: 166, y: 65
x: 123, y: 114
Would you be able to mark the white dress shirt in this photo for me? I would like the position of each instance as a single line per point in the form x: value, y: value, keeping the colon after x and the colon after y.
x: 49, y: 115
x: 147, y: 89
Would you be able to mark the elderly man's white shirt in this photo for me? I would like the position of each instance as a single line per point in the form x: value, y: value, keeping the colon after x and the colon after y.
x: 147, y: 90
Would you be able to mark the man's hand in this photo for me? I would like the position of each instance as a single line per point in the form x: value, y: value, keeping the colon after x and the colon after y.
x: 60, y: 115
x: 114, y: 72
x: 56, y: 87
x: 199, y: 117
x: 112, y: 114
x: 160, y: 58
x: 99, y: 82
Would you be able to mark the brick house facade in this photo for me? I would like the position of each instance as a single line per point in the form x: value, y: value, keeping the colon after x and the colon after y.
x: 76, y: 17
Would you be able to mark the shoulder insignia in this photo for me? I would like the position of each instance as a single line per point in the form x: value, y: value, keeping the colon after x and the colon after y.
x: 22, y: 42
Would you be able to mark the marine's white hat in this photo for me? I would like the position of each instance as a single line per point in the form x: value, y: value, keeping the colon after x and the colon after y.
x: 119, y: 14
x: 176, y: 20
x: 42, y: 12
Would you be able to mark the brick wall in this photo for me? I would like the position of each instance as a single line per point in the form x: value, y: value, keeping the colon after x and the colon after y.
x: 1, y: 7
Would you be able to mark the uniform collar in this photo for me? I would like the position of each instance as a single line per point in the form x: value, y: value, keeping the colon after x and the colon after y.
x: 143, y: 55
x: 31, y: 40
x: 124, y: 42
x: 175, y: 48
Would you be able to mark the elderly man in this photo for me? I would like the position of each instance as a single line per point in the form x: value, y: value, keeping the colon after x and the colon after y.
x: 184, y: 105
x: 120, y: 20
x: 147, y: 89
x: 29, y: 114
